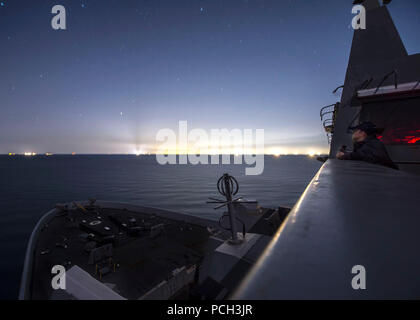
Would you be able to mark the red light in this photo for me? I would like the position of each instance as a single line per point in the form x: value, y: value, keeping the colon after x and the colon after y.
x: 414, y: 140
x: 395, y: 136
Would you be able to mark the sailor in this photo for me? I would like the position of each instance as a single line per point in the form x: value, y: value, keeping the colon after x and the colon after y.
x: 367, y: 147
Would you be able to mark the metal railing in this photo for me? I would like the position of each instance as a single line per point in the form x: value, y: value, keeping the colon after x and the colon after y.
x: 328, y: 115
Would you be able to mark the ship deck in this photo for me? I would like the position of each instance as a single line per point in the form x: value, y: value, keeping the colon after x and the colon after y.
x: 143, y: 256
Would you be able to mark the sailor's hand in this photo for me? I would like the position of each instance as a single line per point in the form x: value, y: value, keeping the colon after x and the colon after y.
x: 339, y: 154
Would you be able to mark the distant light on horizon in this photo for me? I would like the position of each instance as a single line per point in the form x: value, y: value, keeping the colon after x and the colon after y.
x: 138, y: 152
x: 313, y: 153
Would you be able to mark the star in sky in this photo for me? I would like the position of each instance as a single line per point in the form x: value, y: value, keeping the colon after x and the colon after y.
x: 2, y: 4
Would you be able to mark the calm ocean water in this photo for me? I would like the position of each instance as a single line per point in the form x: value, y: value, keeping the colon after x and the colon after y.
x: 31, y: 186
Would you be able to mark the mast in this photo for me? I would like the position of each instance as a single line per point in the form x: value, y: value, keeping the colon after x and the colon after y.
x: 373, y: 54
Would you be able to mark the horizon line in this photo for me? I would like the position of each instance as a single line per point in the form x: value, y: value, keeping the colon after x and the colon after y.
x: 152, y: 154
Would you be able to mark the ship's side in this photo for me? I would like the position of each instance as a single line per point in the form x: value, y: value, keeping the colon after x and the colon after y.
x: 354, y: 215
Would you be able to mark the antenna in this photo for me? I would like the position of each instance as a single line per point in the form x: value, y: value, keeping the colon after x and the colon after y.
x: 228, y: 186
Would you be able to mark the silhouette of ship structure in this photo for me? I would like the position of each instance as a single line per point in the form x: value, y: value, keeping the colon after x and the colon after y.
x: 351, y: 214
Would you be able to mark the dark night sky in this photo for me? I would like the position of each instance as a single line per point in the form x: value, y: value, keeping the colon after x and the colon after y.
x: 124, y: 69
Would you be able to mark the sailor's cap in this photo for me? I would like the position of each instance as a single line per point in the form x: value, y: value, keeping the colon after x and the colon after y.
x: 366, y: 126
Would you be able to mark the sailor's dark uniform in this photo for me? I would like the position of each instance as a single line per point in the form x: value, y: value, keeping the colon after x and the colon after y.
x: 370, y: 150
